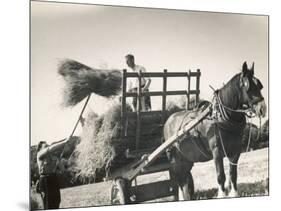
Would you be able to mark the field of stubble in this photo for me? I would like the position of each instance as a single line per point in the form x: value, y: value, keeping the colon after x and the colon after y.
x: 252, y: 181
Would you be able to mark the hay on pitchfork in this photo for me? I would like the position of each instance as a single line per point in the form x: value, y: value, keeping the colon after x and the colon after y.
x: 81, y: 80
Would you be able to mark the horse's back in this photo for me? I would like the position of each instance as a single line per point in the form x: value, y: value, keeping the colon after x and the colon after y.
x: 195, y: 146
x: 179, y: 119
x: 173, y: 124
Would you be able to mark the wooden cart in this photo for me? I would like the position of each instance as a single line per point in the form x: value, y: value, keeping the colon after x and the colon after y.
x: 149, y: 125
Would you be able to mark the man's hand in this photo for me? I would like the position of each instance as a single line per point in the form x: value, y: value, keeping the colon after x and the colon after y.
x: 144, y: 89
x: 82, y: 121
x: 147, y: 84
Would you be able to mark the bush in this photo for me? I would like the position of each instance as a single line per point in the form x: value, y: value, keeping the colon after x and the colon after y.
x: 259, y: 136
x: 35, y: 200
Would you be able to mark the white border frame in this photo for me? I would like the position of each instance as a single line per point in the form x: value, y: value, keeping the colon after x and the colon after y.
x: 15, y: 101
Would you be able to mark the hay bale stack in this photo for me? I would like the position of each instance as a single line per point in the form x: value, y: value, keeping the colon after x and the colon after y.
x: 81, y: 80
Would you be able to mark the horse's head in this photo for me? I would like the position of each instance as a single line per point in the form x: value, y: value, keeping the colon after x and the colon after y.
x: 251, y: 90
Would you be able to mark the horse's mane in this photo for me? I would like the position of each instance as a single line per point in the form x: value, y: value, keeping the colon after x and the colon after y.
x: 231, y: 96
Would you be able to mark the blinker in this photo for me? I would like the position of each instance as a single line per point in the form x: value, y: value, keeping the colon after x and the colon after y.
x: 244, y: 82
x: 259, y: 84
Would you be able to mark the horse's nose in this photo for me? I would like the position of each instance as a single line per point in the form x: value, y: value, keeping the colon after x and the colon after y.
x: 262, y: 111
x: 260, y: 108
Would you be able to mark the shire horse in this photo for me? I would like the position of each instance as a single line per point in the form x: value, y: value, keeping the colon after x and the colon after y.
x: 217, y: 136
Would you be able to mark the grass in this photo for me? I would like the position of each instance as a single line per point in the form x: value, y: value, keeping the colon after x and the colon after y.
x: 36, y: 201
x: 252, y: 181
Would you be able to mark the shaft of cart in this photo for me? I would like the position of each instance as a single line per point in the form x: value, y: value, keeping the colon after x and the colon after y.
x: 148, y: 159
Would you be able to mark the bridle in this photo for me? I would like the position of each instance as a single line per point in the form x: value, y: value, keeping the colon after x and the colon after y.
x: 244, y: 84
x: 248, y: 111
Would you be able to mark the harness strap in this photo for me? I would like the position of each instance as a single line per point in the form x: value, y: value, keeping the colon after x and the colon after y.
x: 201, y: 147
x: 194, y: 142
x: 218, y: 106
x: 245, y: 111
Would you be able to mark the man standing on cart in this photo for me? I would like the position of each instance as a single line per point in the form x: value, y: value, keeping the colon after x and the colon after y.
x: 134, y: 84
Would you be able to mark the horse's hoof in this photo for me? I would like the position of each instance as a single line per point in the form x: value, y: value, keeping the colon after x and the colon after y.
x: 180, y: 196
x: 233, y: 193
x: 221, y: 194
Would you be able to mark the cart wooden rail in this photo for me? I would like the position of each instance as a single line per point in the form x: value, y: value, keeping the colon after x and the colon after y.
x: 164, y: 93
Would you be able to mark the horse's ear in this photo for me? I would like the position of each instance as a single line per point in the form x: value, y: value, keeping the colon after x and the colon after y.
x: 252, y: 68
x: 244, y: 68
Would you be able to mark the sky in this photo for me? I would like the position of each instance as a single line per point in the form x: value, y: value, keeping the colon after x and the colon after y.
x: 100, y: 36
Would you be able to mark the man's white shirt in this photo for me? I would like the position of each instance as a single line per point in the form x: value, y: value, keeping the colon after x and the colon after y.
x: 134, y: 82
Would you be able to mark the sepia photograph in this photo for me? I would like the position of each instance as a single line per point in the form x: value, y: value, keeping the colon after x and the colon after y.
x: 132, y: 105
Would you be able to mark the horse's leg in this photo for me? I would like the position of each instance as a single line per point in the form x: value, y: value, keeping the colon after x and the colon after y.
x: 185, y: 181
x: 188, y: 187
x: 181, y: 177
x: 218, y: 160
x: 171, y: 155
x: 232, y: 185
x: 177, y: 177
x: 175, y: 185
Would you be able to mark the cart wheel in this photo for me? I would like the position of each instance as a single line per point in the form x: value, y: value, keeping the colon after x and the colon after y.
x: 119, y: 192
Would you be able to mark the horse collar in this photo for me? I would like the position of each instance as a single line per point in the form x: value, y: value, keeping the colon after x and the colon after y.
x: 220, y: 114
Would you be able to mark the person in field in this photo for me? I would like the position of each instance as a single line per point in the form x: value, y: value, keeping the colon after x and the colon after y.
x: 134, y: 84
x: 48, y: 166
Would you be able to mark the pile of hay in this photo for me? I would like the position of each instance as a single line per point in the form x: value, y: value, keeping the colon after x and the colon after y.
x: 81, y: 80
x: 100, y: 142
